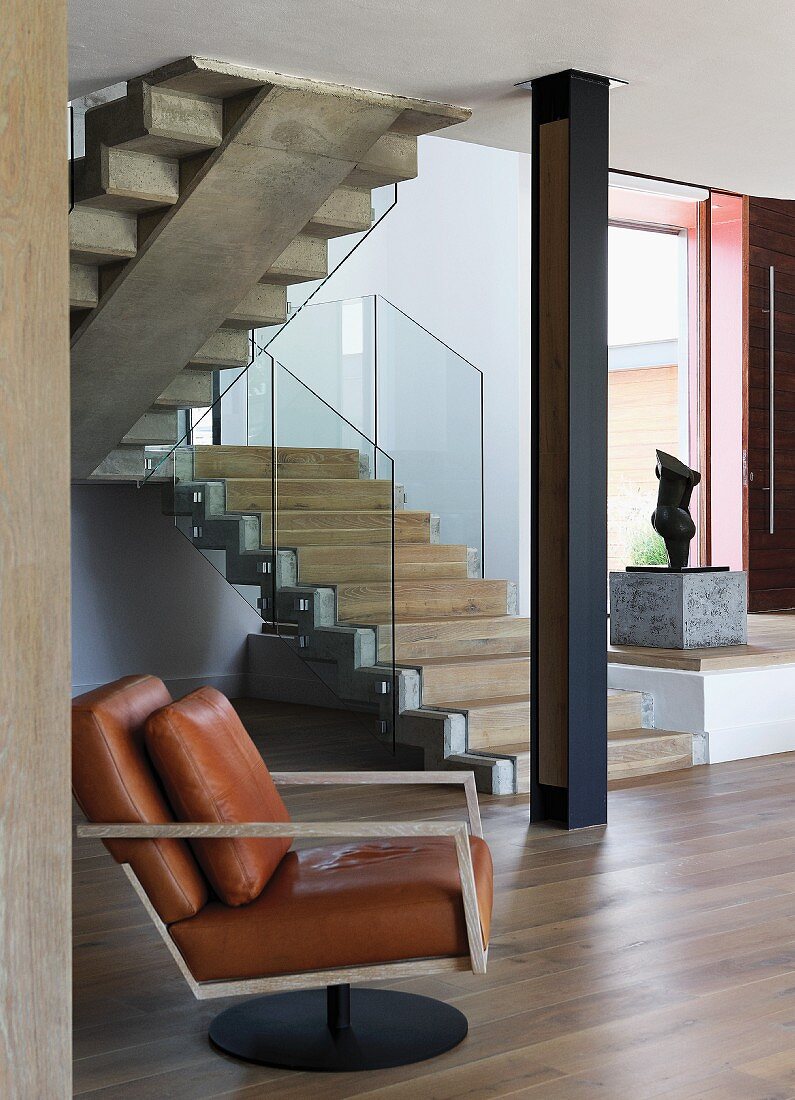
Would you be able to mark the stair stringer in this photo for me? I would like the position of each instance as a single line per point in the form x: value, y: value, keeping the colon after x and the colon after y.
x: 349, y: 651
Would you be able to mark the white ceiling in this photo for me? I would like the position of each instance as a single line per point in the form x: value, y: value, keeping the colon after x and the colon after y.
x: 711, y: 96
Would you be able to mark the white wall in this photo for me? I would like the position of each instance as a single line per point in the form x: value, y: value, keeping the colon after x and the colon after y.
x: 455, y: 256
x: 145, y: 600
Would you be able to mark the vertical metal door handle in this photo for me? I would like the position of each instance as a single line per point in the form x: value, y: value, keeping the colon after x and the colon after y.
x: 772, y: 321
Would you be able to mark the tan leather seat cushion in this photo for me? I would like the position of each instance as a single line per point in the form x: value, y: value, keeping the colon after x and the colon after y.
x: 212, y: 771
x: 342, y: 905
x: 113, y: 781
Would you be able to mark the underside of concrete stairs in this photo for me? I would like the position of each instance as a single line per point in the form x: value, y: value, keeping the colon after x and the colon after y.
x: 203, y: 193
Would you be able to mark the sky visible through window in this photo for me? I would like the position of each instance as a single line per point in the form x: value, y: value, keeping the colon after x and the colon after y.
x: 643, y: 285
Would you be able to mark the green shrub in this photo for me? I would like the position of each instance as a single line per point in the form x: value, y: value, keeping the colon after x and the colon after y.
x: 647, y: 548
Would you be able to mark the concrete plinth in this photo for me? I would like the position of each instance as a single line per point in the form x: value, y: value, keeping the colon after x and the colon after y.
x: 678, y: 610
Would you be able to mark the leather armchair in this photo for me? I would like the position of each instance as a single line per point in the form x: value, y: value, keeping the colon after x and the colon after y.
x: 378, y: 900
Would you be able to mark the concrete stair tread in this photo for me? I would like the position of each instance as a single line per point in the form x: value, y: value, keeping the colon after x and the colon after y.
x: 304, y: 260
x: 157, y: 120
x: 264, y: 305
x: 126, y: 180
x: 347, y: 210
x: 101, y: 236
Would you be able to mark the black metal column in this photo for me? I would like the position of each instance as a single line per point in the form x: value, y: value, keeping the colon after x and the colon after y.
x: 569, y: 449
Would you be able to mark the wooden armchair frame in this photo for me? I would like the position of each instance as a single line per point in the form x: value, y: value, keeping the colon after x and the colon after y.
x: 457, y: 831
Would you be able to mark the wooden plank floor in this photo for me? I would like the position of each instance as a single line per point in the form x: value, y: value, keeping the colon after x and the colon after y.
x: 652, y: 959
x: 771, y: 641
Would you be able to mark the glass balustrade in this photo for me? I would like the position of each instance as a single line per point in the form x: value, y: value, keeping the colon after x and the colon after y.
x: 295, y: 508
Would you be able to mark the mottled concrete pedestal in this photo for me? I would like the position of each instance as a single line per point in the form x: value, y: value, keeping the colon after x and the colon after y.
x: 678, y: 610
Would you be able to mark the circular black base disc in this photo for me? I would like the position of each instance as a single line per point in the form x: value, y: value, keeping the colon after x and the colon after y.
x: 290, y: 1030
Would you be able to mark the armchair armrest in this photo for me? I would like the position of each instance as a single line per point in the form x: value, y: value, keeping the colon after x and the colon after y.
x: 205, y: 830
x: 451, y: 778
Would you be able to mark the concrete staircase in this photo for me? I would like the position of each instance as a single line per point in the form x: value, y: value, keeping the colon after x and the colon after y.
x: 203, y: 194
x: 463, y: 682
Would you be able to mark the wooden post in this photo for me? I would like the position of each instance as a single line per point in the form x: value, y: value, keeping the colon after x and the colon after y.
x: 569, y: 450
x: 35, y: 801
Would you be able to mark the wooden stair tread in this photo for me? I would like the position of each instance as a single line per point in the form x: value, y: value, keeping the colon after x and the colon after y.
x: 642, y: 734
x: 486, y: 617
x: 522, y: 747
x: 327, y: 483
x: 320, y: 512
x: 483, y: 705
x: 519, y: 749
x: 463, y: 660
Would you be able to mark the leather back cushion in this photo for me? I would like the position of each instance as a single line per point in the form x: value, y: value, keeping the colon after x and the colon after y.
x: 212, y: 771
x: 113, y: 781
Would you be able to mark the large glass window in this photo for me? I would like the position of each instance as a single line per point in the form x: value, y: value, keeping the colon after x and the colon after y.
x: 654, y: 358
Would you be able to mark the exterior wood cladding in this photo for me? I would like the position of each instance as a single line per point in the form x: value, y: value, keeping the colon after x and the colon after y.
x: 771, y: 556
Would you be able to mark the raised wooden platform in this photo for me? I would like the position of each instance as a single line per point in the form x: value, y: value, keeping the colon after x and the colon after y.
x: 771, y: 641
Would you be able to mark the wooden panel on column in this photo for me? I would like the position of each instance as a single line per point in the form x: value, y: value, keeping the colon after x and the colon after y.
x: 35, y: 801
x: 771, y: 523
x: 553, y: 453
x: 569, y: 450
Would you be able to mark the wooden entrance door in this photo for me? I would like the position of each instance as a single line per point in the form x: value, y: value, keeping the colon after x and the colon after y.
x: 771, y: 396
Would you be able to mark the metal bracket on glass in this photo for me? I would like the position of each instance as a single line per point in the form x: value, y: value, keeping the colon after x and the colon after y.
x: 264, y: 566
x: 303, y: 641
x: 383, y: 727
x: 301, y: 604
x: 197, y: 532
x: 149, y: 463
x: 263, y: 603
x: 197, y: 497
x: 383, y: 687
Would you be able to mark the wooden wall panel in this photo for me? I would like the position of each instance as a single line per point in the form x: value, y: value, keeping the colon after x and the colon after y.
x: 553, y: 457
x: 35, y: 801
x: 771, y: 557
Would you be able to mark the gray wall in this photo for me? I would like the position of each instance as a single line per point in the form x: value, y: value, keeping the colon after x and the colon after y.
x: 144, y: 600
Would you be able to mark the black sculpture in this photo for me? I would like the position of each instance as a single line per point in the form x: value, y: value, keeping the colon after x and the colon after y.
x: 671, y: 518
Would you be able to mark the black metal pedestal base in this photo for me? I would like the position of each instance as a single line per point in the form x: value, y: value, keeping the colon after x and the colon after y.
x: 296, y: 1030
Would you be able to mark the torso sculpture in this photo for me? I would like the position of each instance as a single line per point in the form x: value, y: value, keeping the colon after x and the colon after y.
x: 671, y: 518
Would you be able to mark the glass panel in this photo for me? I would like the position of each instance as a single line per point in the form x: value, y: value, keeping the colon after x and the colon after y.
x: 334, y: 508
x: 655, y: 359
x: 429, y: 411
x: 330, y: 346
x: 648, y: 382
x: 311, y: 548
x: 415, y: 397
